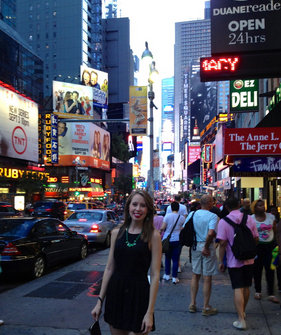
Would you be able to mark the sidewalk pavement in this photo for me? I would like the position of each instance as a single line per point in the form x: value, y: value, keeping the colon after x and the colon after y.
x: 60, y: 303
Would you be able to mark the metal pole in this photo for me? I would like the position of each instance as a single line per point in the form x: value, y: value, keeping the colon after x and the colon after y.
x: 151, y: 180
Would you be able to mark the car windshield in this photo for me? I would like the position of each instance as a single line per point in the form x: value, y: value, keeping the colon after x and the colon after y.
x: 15, y: 227
x: 86, y: 216
x: 76, y: 206
x: 43, y: 205
x: 6, y: 208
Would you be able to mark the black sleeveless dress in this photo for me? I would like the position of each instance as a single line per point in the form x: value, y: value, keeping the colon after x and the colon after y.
x: 127, y: 294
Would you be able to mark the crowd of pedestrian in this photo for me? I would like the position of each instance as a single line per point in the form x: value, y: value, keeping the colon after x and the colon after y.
x: 136, y: 247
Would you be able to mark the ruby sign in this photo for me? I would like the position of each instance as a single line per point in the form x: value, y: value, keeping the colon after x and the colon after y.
x: 253, y: 141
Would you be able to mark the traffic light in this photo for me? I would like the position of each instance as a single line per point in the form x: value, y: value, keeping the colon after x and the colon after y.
x: 77, y: 193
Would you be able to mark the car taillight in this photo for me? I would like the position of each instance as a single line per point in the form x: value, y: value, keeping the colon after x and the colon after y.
x: 65, y: 212
x: 95, y: 229
x: 10, y: 250
x: 49, y: 209
x: 82, y: 220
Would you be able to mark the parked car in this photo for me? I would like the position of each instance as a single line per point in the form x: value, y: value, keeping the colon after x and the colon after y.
x: 74, y: 206
x: 96, y: 224
x: 54, y: 209
x: 32, y: 244
x: 7, y: 210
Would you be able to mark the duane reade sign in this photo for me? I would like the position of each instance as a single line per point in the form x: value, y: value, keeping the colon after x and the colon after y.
x: 244, y: 95
x: 252, y: 141
x: 245, y: 26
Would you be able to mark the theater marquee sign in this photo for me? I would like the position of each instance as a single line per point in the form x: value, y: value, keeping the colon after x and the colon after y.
x: 252, y: 141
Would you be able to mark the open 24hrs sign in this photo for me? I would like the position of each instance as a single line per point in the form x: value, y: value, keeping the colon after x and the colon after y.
x: 253, y: 141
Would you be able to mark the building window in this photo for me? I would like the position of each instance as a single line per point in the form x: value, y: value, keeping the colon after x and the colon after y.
x: 47, y: 45
x: 30, y: 16
x: 47, y: 66
x: 55, y: 13
x: 30, y: 27
x: 47, y: 25
x: 55, y: 4
x: 47, y: 35
x: 38, y: 36
x: 55, y: 45
x: 55, y: 56
x: 38, y: 26
x: 47, y: 4
x: 30, y: 38
x: 31, y: 7
x: 38, y: 5
x: 38, y: 47
x: 55, y: 66
x: 38, y: 16
x: 55, y: 24
x: 47, y: 56
x: 55, y: 34
x: 47, y: 15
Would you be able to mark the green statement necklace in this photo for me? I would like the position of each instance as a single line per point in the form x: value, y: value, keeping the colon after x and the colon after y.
x: 135, y: 241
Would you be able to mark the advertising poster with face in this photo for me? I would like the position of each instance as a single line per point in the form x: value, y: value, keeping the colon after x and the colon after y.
x: 98, y: 81
x: 138, y: 110
x: 72, y: 101
x: 84, y: 140
x: 18, y: 127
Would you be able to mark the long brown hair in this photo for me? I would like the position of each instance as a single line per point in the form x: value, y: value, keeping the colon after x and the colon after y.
x: 148, y: 226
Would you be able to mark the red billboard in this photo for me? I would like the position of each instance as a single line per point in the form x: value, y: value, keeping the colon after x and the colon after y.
x: 193, y: 154
x: 252, y: 141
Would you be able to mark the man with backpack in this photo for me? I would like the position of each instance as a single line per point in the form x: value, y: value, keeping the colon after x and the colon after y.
x: 238, y: 237
x: 204, y: 259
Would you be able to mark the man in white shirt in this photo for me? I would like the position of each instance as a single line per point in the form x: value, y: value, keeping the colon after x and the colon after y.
x: 182, y: 210
x: 204, y: 259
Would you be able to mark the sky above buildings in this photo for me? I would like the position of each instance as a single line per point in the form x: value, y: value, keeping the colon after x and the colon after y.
x: 154, y: 21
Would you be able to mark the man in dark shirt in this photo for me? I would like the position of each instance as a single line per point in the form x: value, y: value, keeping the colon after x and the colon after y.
x: 246, y: 207
x: 215, y: 209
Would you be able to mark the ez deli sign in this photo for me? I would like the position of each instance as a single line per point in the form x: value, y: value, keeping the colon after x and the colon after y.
x: 252, y: 141
x: 244, y: 95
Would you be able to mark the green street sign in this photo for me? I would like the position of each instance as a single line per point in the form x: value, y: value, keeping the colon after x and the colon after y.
x: 244, y: 95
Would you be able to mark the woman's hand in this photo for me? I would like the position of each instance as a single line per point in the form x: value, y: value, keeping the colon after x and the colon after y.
x: 147, y: 323
x: 96, y: 312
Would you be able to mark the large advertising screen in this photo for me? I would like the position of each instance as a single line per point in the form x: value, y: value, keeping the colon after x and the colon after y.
x: 244, y: 26
x: 18, y: 126
x: 98, y: 81
x: 84, y: 140
x: 203, y: 102
x: 72, y: 101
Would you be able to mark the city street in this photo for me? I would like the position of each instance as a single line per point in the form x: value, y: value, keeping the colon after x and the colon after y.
x: 60, y: 303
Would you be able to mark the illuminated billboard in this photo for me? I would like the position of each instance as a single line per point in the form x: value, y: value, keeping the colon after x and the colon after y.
x: 203, y: 103
x: 84, y: 140
x: 18, y: 127
x: 98, y: 81
x: 72, y: 101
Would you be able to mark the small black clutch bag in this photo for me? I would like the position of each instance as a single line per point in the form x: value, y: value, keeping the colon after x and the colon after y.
x: 95, y: 328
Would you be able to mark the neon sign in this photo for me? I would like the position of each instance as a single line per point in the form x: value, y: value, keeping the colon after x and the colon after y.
x: 219, y: 64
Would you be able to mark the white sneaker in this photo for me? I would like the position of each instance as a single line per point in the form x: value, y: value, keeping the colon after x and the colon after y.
x: 175, y: 280
x: 1, y: 322
x: 179, y: 269
x: 239, y: 324
x: 166, y: 277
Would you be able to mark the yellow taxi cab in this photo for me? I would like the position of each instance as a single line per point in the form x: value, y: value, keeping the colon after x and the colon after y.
x: 74, y: 206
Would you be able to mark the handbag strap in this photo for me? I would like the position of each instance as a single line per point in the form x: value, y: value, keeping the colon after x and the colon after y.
x: 174, y: 226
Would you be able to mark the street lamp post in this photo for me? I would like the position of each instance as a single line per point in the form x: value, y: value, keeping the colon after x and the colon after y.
x: 151, y: 96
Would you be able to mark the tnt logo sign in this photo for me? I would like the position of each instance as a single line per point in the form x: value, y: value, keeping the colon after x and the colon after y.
x: 19, y: 140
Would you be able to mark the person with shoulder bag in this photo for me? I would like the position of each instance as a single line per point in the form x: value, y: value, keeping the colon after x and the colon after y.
x: 173, y: 223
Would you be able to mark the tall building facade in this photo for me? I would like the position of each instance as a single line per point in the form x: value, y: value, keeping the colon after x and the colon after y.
x: 65, y: 34
x: 192, y: 41
x: 8, y: 12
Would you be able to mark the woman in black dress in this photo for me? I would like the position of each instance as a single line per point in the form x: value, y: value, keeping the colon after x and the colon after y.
x: 135, y: 247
